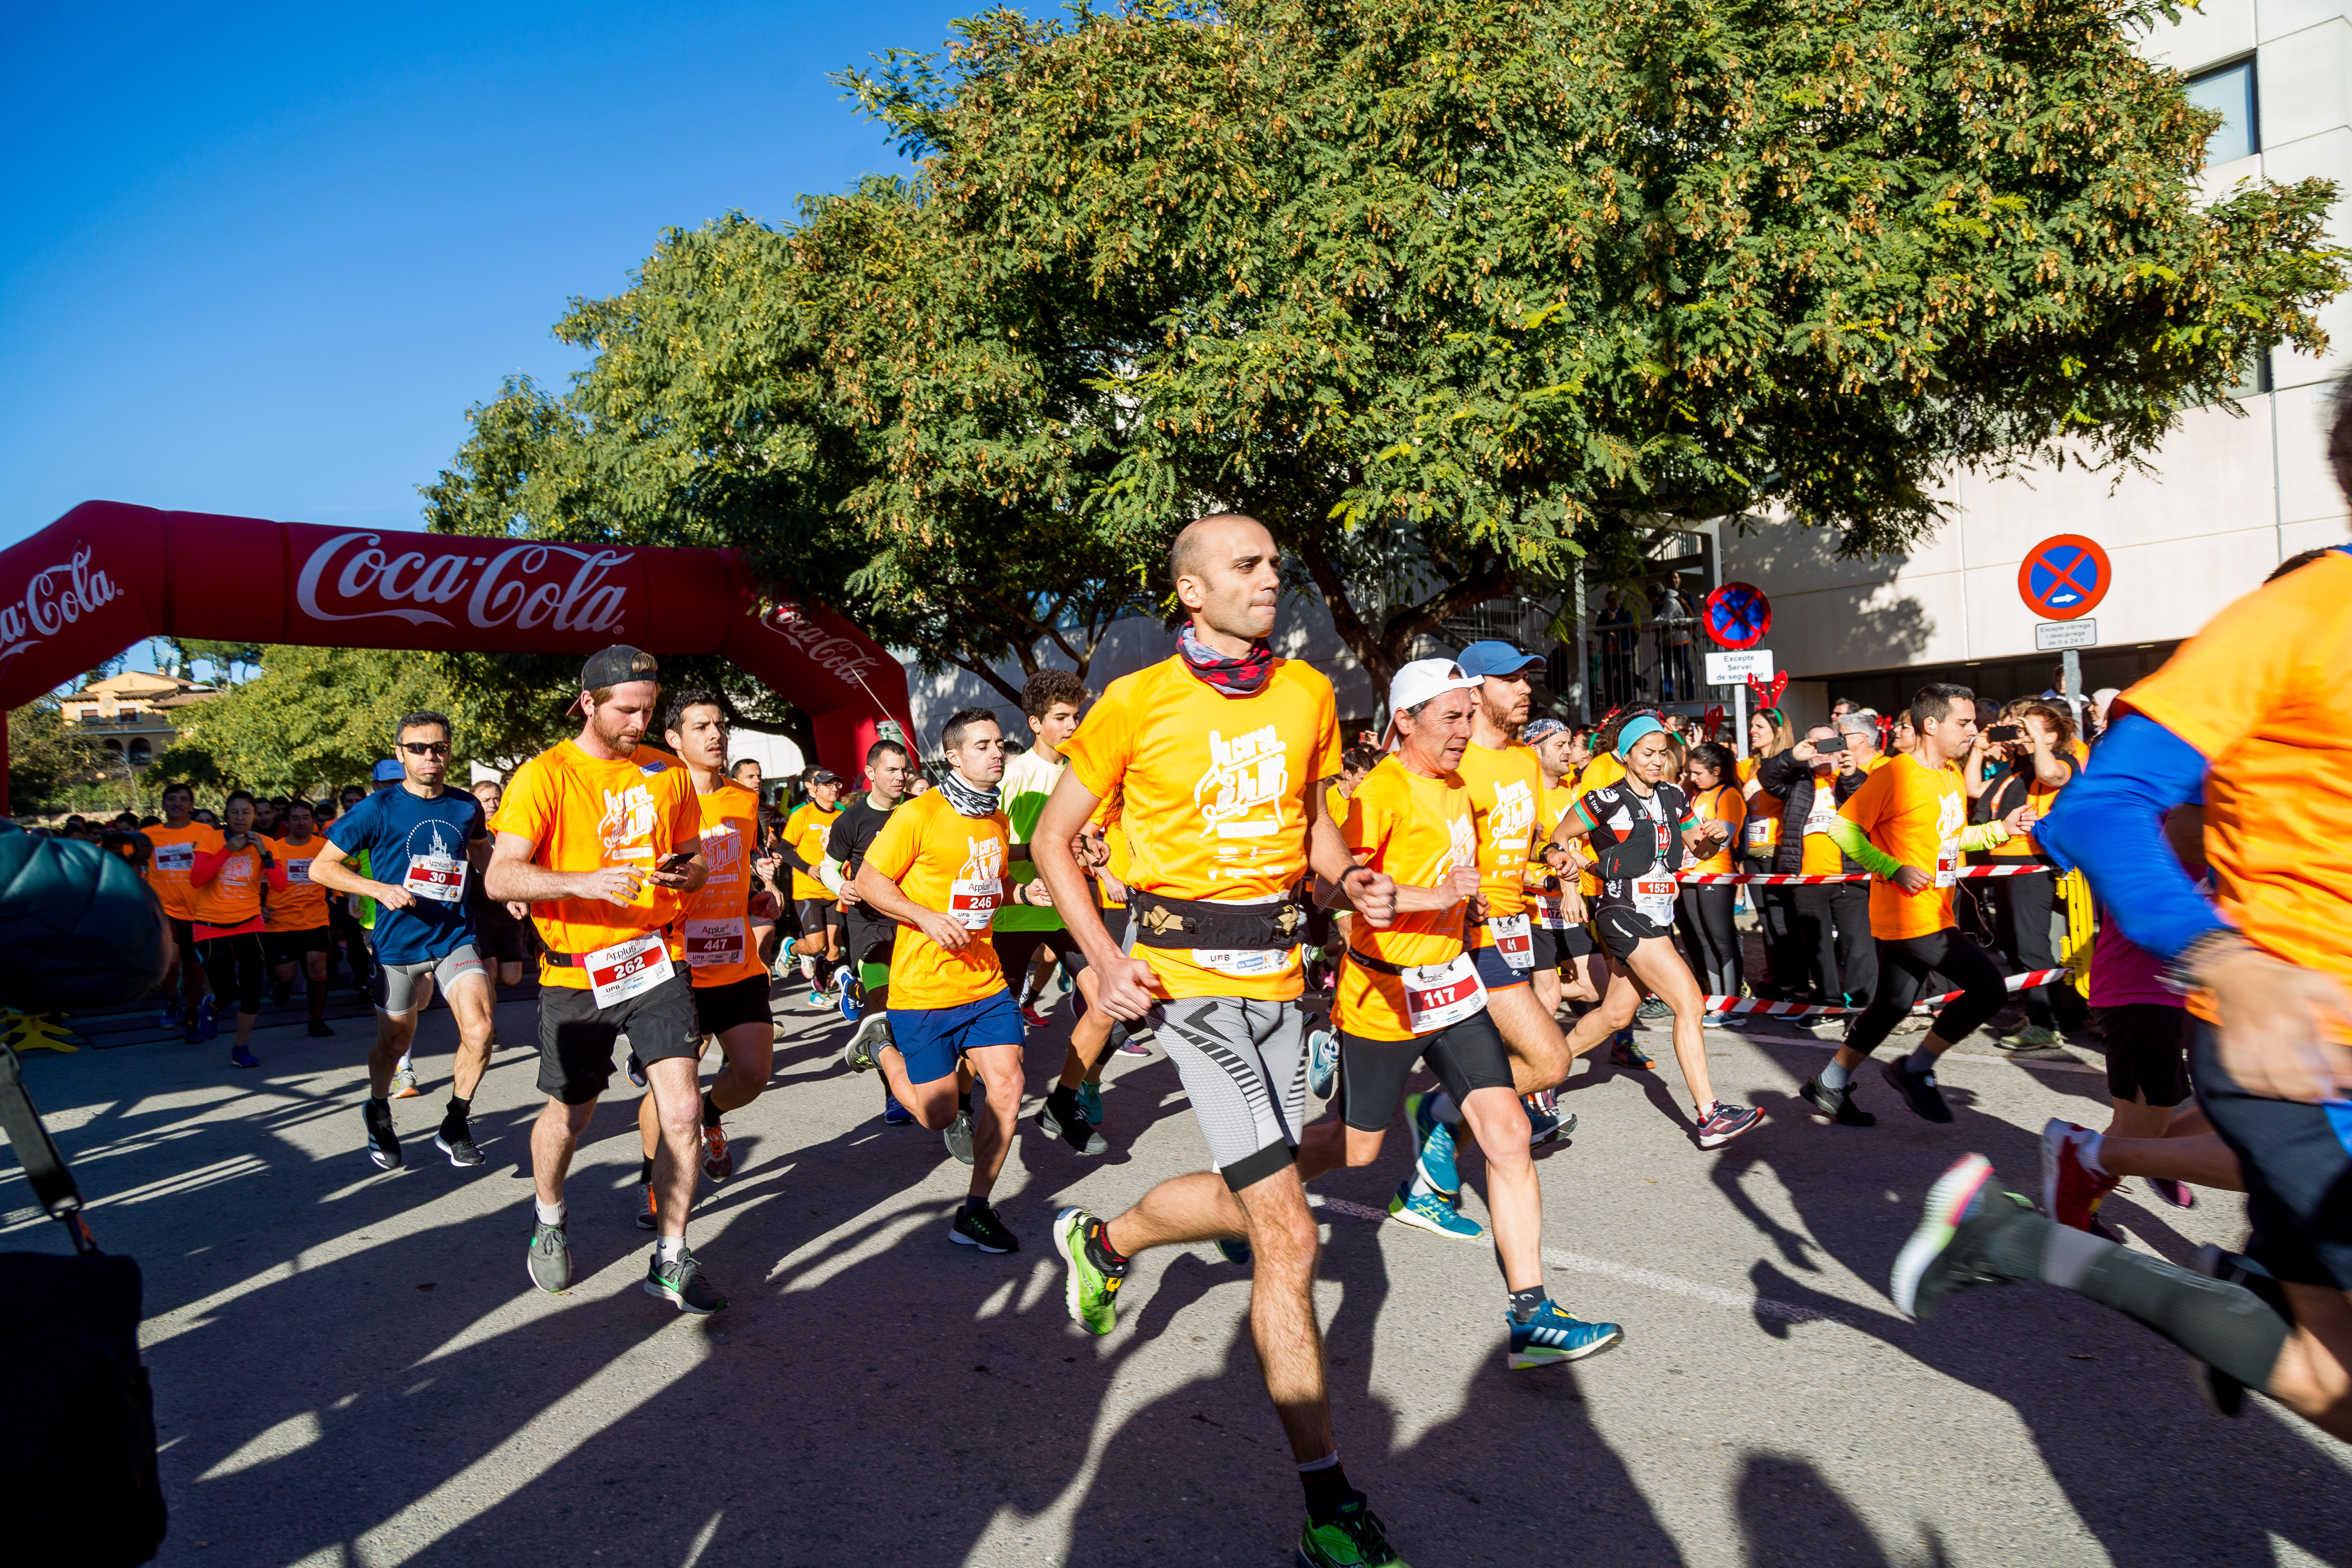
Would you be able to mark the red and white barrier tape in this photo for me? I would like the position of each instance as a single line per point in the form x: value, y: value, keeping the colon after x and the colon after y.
x: 2025, y: 982
x: 1712, y: 879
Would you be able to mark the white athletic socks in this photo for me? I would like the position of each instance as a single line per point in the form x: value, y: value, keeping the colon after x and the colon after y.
x: 667, y: 1248
x: 548, y: 1214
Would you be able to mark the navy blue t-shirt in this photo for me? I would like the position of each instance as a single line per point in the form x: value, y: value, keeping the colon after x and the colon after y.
x: 419, y: 845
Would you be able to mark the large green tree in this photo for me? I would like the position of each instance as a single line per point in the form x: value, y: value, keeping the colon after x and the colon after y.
x: 1455, y: 296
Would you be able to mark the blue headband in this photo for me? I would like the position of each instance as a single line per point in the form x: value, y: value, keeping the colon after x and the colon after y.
x: 1633, y: 731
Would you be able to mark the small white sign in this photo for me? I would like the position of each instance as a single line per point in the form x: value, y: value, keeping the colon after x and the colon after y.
x: 2049, y: 636
x: 1731, y: 668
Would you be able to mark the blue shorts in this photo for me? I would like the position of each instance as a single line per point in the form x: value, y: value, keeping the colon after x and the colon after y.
x: 932, y: 1040
x: 1495, y: 970
x: 2297, y: 1161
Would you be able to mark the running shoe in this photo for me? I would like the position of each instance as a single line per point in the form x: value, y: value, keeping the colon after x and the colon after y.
x: 1918, y: 1090
x: 403, y: 1082
x: 1727, y: 1121
x: 1079, y: 1134
x: 645, y: 1205
x: 2031, y: 1037
x: 1946, y: 1252
x: 1434, y: 1140
x: 383, y: 1143
x: 1062, y: 980
x: 818, y: 999
x: 549, y: 1261
x: 169, y: 1018
x: 1139, y: 1041
x: 320, y: 1029
x: 982, y: 1230
x: 2071, y: 1191
x: 1322, y: 1062
x: 2178, y: 1194
x: 239, y: 1056
x: 1353, y: 1539
x: 1090, y: 1291
x: 845, y: 980
x: 1543, y: 1118
x: 957, y: 1136
x: 893, y: 1113
x: 1236, y: 1252
x: 1653, y: 1009
x: 634, y: 1068
x: 1625, y: 1053
x: 1553, y: 1335
x: 680, y: 1282
x: 2224, y: 1394
x: 1837, y: 1104
x: 718, y: 1159
x: 870, y: 1037
x: 207, y: 1021
x: 1091, y: 1104
x: 459, y: 1144
x: 1432, y: 1213
x: 1032, y: 1018
x: 192, y: 1030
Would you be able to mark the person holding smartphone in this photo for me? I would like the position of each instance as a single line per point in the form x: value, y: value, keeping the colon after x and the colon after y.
x: 2041, y: 761
x: 1829, y: 929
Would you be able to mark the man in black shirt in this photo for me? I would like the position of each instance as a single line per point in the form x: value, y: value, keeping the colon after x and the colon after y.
x: 867, y: 937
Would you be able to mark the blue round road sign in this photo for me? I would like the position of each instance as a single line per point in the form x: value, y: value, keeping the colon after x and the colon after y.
x: 1738, y: 614
x: 2063, y: 577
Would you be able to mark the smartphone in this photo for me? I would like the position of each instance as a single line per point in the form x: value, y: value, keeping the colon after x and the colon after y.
x: 675, y: 862
x: 2005, y: 732
x: 1824, y: 748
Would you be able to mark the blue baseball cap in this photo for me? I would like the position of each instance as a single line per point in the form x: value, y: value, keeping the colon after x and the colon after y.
x: 1495, y: 658
x: 389, y: 771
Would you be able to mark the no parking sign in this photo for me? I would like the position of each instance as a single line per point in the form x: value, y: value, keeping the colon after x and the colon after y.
x: 2063, y: 577
x: 1738, y: 614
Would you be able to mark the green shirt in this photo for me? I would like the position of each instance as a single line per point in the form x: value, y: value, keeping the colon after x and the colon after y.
x: 1028, y: 780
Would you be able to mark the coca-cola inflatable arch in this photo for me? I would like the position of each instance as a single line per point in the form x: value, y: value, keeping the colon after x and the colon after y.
x: 106, y: 575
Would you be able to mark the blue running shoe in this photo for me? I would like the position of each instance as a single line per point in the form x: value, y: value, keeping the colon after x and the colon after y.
x: 1322, y: 1062
x: 1435, y: 1142
x: 207, y: 1021
x: 1090, y: 1106
x: 1432, y: 1213
x: 1553, y: 1335
x: 851, y: 994
x: 170, y: 1017
x: 239, y: 1056
x: 893, y: 1113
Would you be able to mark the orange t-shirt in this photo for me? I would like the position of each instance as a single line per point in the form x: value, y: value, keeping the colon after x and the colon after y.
x: 1916, y: 814
x: 580, y: 814
x: 233, y: 896
x: 1762, y: 835
x: 1120, y: 858
x: 2043, y: 799
x: 1821, y: 857
x: 175, y: 860
x: 805, y: 831
x: 712, y: 937
x: 1416, y: 829
x: 301, y: 904
x: 1506, y: 788
x: 2261, y: 694
x: 1722, y: 804
x: 1215, y: 803
x: 953, y: 864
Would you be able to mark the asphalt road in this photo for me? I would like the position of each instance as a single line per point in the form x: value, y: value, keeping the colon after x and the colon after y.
x: 351, y: 1369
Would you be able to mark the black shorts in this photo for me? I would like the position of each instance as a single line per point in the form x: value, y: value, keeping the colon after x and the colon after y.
x: 1015, y: 948
x: 865, y: 939
x: 1547, y: 944
x: 816, y: 914
x: 2147, y: 1051
x: 1466, y: 1057
x: 184, y: 933
x: 289, y: 946
x: 576, y: 1036
x: 498, y: 942
x: 720, y: 1008
x: 1115, y: 922
x: 2298, y: 1172
x: 1623, y: 928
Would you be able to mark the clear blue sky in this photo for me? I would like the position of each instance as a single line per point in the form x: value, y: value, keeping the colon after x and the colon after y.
x: 259, y: 261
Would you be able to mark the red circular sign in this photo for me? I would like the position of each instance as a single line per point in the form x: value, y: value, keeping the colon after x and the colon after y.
x: 1738, y: 614
x: 2063, y: 577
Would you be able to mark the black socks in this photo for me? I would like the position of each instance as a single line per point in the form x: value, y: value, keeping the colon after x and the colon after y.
x: 454, y: 1117
x: 316, y: 994
x: 975, y: 1203
x: 1098, y: 1250
x: 1525, y: 1304
x: 709, y: 1111
x: 1063, y: 1100
x: 1327, y: 1490
x: 644, y: 1172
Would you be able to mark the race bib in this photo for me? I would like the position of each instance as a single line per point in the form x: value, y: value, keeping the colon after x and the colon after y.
x: 1654, y: 899
x: 179, y: 857
x: 1514, y: 940
x: 297, y: 872
x: 1823, y: 812
x: 627, y: 968
x: 1948, y: 863
x: 1438, y: 996
x: 1759, y: 833
x: 1244, y: 963
x: 1552, y: 908
x: 712, y: 944
x: 973, y: 901
x: 440, y: 877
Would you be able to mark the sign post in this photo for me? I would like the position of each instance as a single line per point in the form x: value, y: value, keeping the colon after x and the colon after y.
x: 2063, y: 578
x: 1737, y: 615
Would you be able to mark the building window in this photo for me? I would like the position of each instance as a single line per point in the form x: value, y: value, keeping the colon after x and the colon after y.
x: 2229, y: 90
x: 140, y: 753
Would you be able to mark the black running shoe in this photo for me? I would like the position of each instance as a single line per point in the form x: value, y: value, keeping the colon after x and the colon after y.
x: 1837, y: 1104
x: 456, y: 1140
x: 680, y: 1282
x: 1918, y: 1090
x: 322, y: 1030
x: 383, y: 1143
x: 1946, y: 1252
x: 1081, y: 1138
x: 982, y: 1230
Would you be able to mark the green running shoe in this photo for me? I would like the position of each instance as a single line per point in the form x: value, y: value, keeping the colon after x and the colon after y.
x: 1092, y: 1292
x: 1352, y: 1540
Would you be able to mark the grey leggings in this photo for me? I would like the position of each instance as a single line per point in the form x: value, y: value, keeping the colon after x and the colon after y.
x: 1244, y: 1063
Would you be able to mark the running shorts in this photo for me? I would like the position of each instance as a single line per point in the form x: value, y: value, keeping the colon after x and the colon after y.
x: 1622, y: 929
x: 393, y: 986
x: 2147, y: 1051
x: 1547, y: 942
x: 499, y: 944
x: 816, y: 914
x: 1014, y: 949
x: 933, y: 1039
x: 1243, y: 1064
x: 1464, y: 1057
x: 1495, y: 971
x: 576, y: 1036
x: 289, y: 946
x: 718, y: 1008
x: 183, y: 934
x: 2298, y: 1172
x: 865, y: 939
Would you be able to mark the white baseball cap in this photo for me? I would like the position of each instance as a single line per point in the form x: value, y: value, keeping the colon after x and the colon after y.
x: 1416, y: 683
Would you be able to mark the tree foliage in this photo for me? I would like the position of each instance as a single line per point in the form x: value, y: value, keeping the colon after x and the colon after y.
x: 1455, y: 296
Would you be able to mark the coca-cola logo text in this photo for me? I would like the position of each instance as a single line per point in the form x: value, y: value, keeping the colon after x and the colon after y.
x: 848, y: 661
x: 53, y: 601
x: 352, y: 577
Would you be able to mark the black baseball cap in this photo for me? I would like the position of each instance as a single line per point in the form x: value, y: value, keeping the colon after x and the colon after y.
x: 617, y: 666
x: 825, y: 776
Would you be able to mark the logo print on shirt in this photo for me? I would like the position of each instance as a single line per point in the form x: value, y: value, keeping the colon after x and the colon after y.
x: 1951, y: 815
x: 628, y: 816
x: 1512, y: 816
x: 983, y: 859
x: 1462, y: 850
x: 434, y: 844
x: 1241, y: 795
x: 723, y: 852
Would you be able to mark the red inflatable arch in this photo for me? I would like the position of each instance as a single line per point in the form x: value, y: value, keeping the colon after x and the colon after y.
x: 106, y: 575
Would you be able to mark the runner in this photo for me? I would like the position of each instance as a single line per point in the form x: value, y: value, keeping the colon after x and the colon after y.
x: 1411, y: 995
x: 1567, y: 968
x: 712, y: 938
x: 1642, y: 828
x: 177, y: 840
x: 762, y: 907
x: 1219, y: 757
x: 604, y: 846
x: 1908, y: 826
x: 870, y: 935
x: 499, y: 926
x: 422, y: 844
x: 1051, y: 702
x: 225, y: 891
x: 294, y: 925
x: 938, y: 868
x: 819, y: 947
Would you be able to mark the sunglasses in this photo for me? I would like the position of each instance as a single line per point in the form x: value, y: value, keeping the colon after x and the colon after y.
x: 426, y: 748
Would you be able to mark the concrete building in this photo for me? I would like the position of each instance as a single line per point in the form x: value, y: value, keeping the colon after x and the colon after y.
x: 134, y: 715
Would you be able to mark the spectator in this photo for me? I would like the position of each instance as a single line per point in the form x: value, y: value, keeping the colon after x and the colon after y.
x: 1769, y: 736
x: 1829, y: 940
x: 2042, y: 759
